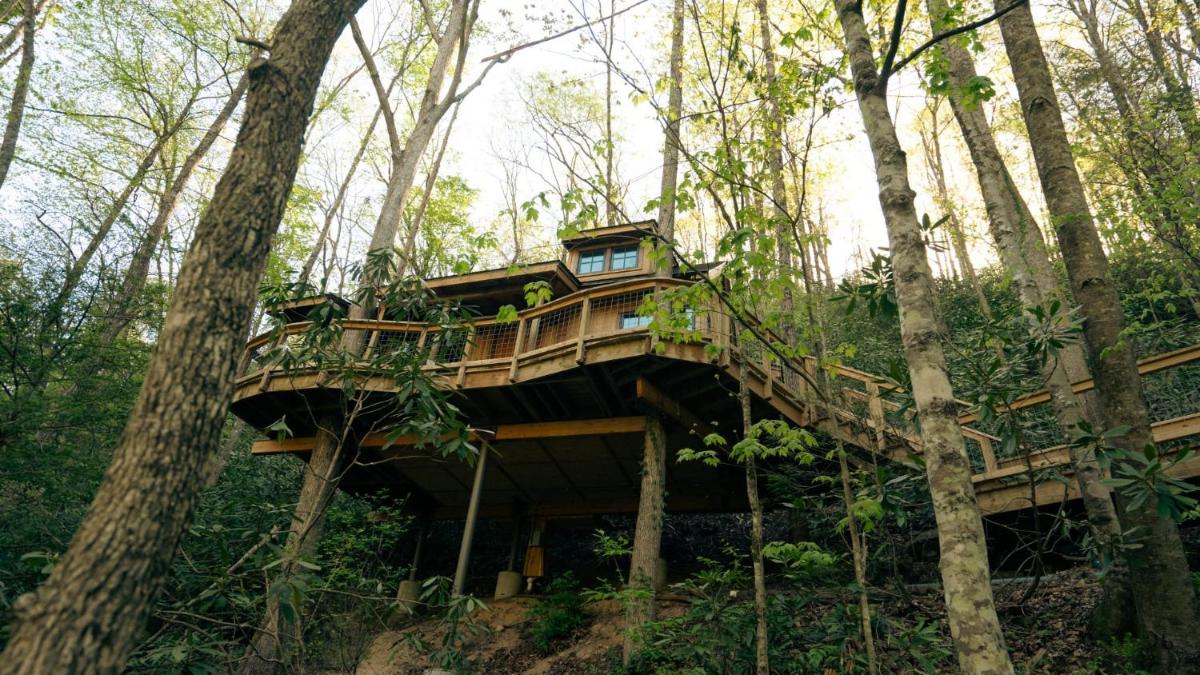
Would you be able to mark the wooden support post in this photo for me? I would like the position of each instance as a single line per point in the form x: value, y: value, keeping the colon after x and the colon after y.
x: 581, y: 345
x: 464, y: 548
x: 878, y: 420
x: 647, y: 537
x: 517, y: 347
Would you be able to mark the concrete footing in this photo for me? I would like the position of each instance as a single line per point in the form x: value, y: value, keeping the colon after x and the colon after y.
x: 508, y: 584
x: 409, y: 596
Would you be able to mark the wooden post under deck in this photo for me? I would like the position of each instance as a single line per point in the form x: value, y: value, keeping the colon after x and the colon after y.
x: 464, y: 549
x: 647, y: 536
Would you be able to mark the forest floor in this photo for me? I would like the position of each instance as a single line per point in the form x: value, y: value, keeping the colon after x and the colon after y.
x: 1047, y: 634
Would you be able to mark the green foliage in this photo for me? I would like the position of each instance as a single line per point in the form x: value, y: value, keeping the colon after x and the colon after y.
x: 803, y: 562
x: 559, y: 612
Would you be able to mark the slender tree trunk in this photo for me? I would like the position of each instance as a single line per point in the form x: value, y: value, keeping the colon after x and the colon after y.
x: 762, y: 661
x: 958, y: 239
x: 1162, y: 587
x: 277, y: 637
x: 88, y: 614
x: 670, y: 171
x: 410, y: 238
x: 274, y: 647
x: 134, y: 280
x: 339, y: 198
x: 16, y: 108
x: 610, y: 201
x: 75, y: 271
x: 455, y: 38
x: 974, y: 625
x: 773, y: 136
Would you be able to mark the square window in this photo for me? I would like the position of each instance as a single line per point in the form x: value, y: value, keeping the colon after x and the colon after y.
x: 634, y: 320
x: 625, y: 258
x: 591, y: 262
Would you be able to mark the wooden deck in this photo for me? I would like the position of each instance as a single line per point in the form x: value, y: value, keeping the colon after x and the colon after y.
x: 581, y: 333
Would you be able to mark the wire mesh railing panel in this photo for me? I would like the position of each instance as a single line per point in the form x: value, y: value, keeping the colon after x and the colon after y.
x: 393, y: 342
x: 617, y: 312
x: 449, y: 345
x: 975, y: 454
x: 1174, y: 392
x: 552, y: 328
x: 791, y: 379
x: 494, y: 341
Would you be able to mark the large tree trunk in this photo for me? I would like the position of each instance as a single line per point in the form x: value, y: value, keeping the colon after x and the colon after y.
x: 88, y: 614
x: 670, y: 169
x: 974, y: 625
x: 1015, y: 234
x: 16, y: 108
x: 1162, y: 587
x: 134, y: 280
x: 647, y: 533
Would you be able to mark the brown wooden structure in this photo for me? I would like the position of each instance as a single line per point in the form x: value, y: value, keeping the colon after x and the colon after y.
x: 561, y: 398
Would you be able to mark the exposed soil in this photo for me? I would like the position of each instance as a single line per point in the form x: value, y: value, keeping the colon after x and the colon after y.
x: 1045, y: 635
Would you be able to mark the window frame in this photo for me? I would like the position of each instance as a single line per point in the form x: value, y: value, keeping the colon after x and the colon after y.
x: 590, y: 255
x: 639, y: 321
x: 636, y: 249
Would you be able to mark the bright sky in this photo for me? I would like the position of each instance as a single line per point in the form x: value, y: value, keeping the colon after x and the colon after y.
x: 493, y: 113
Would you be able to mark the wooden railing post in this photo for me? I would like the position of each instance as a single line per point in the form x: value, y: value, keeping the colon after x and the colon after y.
x: 769, y: 376
x: 517, y: 347
x: 989, y: 454
x: 466, y: 355
x: 581, y: 344
x: 875, y: 410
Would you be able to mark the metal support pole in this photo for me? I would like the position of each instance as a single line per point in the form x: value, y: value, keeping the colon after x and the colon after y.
x: 464, y: 549
x: 422, y: 532
x: 516, y: 542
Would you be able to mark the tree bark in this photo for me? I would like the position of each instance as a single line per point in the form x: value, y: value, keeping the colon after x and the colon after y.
x: 958, y: 239
x: 88, y: 614
x: 670, y: 170
x: 1162, y: 587
x: 16, y: 108
x: 974, y: 625
x: 762, y: 661
x: 331, y: 213
x: 455, y: 38
x: 134, y: 280
x: 647, y: 534
x: 273, y: 649
x: 1015, y: 233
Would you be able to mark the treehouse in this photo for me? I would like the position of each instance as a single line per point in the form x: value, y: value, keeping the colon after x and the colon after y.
x: 575, y: 401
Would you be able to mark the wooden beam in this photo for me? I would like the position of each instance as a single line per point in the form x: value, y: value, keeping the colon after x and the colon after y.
x: 594, y: 427
x: 304, y: 444
x: 657, y: 399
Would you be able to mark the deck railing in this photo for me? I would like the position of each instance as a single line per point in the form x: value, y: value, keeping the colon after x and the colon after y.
x: 611, y: 313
